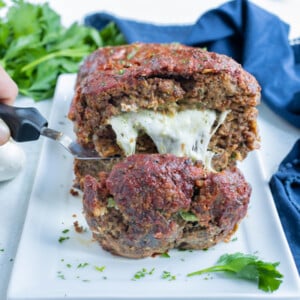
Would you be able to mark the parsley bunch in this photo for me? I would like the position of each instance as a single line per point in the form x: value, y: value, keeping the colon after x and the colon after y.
x: 247, y: 266
x: 35, y: 48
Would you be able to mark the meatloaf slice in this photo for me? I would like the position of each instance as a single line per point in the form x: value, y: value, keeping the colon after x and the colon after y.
x: 165, y: 79
x: 149, y: 204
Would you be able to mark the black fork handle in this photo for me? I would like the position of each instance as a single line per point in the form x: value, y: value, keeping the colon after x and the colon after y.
x: 25, y: 123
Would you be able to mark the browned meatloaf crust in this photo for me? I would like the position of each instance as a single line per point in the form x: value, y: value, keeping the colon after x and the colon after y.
x: 140, y: 208
x: 165, y: 78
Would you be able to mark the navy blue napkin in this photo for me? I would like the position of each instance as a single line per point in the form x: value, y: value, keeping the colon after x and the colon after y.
x: 259, y: 41
x: 285, y: 187
x: 254, y: 37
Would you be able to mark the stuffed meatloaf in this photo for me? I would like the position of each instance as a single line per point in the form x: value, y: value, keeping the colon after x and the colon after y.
x: 164, y: 98
x: 150, y: 203
x: 176, y: 119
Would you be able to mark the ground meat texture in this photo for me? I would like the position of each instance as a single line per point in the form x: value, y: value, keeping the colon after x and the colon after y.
x: 164, y: 78
x: 136, y: 210
x: 219, y: 205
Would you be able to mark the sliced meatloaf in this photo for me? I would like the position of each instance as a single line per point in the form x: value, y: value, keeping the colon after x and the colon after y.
x: 150, y: 203
x: 174, y: 83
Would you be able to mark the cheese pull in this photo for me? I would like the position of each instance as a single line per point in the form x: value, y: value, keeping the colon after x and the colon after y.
x: 185, y: 133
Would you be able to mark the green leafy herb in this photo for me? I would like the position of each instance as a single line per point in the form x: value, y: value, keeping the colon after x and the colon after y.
x: 35, y: 48
x: 100, y: 269
x: 82, y: 265
x: 60, y: 275
x: 188, y: 216
x: 165, y: 255
x: 247, y: 266
x: 111, y: 202
x: 168, y: 276
x: 63, y: 238
x: 142, y: 273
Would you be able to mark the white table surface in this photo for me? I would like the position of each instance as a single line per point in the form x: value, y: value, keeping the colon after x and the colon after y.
x: 14, y: 194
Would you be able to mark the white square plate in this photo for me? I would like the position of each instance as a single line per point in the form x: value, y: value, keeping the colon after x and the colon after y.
x: 77, y: 267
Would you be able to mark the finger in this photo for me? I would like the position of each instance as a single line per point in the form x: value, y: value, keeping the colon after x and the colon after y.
x: 8, y: 88
x: 4, y: 132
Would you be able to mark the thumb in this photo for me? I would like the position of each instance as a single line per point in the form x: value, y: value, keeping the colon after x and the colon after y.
x: 4, y: 132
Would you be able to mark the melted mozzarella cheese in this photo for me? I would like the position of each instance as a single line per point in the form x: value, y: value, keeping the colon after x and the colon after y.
x: 186, y: 133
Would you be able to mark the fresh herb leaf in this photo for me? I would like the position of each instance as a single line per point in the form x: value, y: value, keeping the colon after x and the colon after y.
x: 35, y: 48
x: 65, y: 231
x: 121, y: 71
x: 100, y: 269
x: 82, y: 265
x: 60, y: 275
x: 188, y: 216
x: 168, y: 276
x: 249, y: 267
x: 142, y: 273
x: 63, y: 238
x: 165, y: 255
x: 111, y: 202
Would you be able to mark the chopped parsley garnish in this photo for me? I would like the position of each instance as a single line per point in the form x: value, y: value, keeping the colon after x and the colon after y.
x: 142, y: 273
x: 165, y: 255
x: 60, y: 275
x: 63, y: 238
x: 111, y: 202
x: 82, y: 265
x: 168, y: 276
x: 249, y: 267
x: 121, y: 71
x: 131, y: 54
x: 188, y: 216
x: 100, y: 269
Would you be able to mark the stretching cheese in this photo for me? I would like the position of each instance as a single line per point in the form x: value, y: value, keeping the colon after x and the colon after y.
x: 186, y: 133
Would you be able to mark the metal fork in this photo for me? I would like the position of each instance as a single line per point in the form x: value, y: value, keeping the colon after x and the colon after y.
x: 27, y: 124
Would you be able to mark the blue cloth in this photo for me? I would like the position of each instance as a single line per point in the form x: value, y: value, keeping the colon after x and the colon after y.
x: 259, y: 41
x: 285, y: 187
x: 254, y: 37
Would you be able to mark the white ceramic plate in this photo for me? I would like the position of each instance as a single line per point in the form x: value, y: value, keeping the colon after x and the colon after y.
x: 77, y: 267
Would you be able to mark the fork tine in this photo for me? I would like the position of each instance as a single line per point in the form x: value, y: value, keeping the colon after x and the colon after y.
x: 74, y: 148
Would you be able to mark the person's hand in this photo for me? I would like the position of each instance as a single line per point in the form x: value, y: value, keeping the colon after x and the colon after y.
x: 8, y: 93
